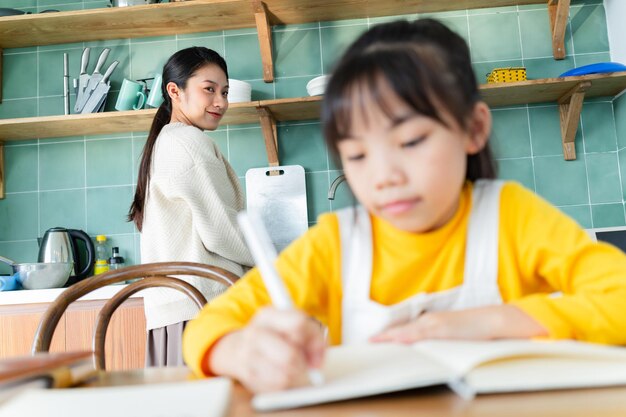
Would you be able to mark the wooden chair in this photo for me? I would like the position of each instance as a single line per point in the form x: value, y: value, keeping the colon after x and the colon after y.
x: 149, y: 275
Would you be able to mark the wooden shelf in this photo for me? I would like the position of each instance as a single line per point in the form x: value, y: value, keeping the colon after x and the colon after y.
x: 212, y: 15
x: 301, y: 108
x: 206, y: 15
x: 124, y: 22
x: 102, y: 123
x: 568, y: 92
x: 551, y: 89
x: 140, y: 120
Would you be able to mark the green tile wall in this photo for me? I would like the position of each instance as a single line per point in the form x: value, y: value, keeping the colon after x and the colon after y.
x: 87, y: 182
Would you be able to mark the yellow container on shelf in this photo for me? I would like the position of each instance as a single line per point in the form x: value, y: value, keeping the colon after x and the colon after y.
x: 507, y: 75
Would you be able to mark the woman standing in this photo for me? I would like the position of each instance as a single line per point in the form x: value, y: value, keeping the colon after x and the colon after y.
x: 187, y: 195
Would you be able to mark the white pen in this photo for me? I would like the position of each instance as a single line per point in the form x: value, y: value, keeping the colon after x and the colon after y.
x: 264, y: 255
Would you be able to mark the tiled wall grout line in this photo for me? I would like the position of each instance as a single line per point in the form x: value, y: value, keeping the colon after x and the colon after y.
x: 328, y: 180
x: 532, y: 153
x: 38, y: 155
x: 228, y: 128
x: 608, y: 203
x: 11, y: 52
x: 321, y: 47
x: 469, y: 32
x: 618, y: 96
x: 18, y: 241
x: 85, y: 182
x: 569, y: 25
x: 22, y: 192
x: 228, y: 144
x: 581, y: 124
x: 585, y: 205
x: 521, y: 41
x: 584, y: 146
x: 619, y: 163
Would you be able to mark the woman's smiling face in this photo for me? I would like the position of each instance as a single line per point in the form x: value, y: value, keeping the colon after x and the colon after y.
x: 203, y: 101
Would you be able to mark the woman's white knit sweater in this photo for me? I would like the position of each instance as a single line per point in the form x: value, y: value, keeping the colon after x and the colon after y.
x: 190, y: 215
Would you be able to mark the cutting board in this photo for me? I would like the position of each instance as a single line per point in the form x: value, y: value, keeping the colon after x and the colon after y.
x: 280, y: 200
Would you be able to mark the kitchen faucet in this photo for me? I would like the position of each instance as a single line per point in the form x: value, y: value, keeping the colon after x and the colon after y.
x: 334, y: 185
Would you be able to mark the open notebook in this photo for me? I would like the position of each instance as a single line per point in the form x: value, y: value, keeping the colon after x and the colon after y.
x: 467, y: 367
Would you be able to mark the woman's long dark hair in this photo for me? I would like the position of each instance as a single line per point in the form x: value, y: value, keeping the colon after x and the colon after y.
x: 423, y: 63
x: 178, y: 68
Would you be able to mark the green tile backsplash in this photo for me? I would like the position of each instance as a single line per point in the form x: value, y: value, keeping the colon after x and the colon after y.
x: 511, y: 136
x: 87, y: 182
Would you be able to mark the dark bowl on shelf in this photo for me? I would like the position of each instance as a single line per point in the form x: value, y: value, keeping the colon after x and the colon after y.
x: 5, y: 11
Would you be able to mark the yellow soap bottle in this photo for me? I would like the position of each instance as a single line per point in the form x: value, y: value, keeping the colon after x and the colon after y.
x: 102, y: 258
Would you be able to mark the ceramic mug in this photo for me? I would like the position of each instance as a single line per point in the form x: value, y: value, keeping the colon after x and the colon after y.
x: 131, y: 96
x: 155, y: 98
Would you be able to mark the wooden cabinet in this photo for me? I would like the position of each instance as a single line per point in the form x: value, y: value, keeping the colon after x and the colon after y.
x: 18, y: 324
x: 126, y: 336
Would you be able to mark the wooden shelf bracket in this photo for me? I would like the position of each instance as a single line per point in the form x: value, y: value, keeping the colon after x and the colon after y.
x: 268, y: 125
x: 559, y: 11
x: 264, y: 30
x: 570, y: 106
x: 1, y: 171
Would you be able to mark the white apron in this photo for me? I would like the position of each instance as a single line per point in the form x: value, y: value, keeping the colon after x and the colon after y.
x: 363, y: 318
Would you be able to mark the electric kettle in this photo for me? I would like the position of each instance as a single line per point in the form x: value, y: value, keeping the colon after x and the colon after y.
x: 60, y: 245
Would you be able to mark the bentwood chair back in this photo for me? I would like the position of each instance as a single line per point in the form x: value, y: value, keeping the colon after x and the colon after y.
x: 147, y: 276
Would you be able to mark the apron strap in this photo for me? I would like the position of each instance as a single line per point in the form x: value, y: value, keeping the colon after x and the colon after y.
x: 355, y: 230
x: 481, y: 251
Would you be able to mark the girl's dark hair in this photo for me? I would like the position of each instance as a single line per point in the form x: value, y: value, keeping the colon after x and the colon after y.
x: 424, y: 64
x: 178, y: 69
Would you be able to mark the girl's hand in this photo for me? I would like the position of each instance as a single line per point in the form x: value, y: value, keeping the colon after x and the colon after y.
x: 492, y: 322
x: 271, y: 353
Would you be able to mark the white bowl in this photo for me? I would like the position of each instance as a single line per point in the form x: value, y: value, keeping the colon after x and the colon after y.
x: 239, y: 91
x: 317, y: 85
x: 237, y: 85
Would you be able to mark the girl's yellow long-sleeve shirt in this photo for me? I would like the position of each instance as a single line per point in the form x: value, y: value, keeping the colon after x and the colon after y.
x: 540, y: 252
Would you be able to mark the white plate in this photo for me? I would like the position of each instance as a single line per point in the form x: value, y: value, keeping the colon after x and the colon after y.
x: 317, y: 85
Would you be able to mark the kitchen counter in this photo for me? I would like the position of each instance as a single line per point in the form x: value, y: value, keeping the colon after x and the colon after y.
x: 49, y: 295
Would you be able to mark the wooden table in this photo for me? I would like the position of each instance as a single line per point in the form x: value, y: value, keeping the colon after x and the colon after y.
x: 434, y: 401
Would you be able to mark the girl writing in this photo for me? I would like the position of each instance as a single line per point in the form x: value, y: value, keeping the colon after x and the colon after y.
x: 436, y: 249
x: 187, y: 195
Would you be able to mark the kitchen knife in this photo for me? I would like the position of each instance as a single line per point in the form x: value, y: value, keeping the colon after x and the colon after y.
x: 95, y: 78
x: 83, y: 81
x: 99, y: 94
x: 103, y: 103
x: 100, y: 99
